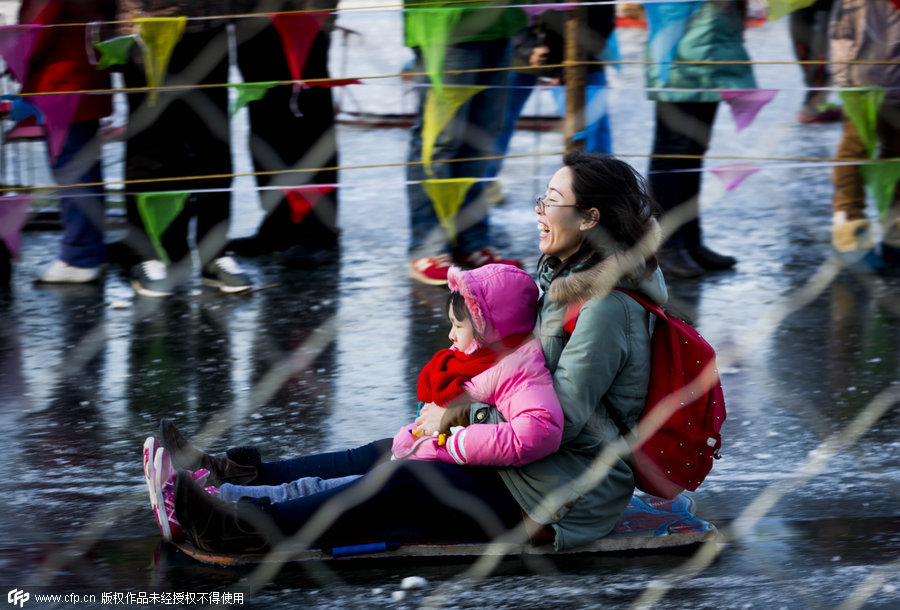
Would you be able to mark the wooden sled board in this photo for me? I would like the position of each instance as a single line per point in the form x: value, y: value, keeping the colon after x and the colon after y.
x: 648, y: 523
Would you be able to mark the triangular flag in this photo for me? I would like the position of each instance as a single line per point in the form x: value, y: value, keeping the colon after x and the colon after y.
x: 115, y: 51
x: 881, y: 180
x: 667, y: 23
x: 336, y: 82
x: 13, y: 210
x: 23, y: 109
x: 447, y: 195
x: 158, y: 210
x: 537, y: 9
x: 159, y: 35
x: 732, y: 175
x: 862, y: 107
x: 297, y: 33
x: 746, y: 103
x: 302, y: 199
x: 58, y: 111
x: 439, y: 109
x: 16, y: 46
x: 250, y: 92
x: 779, y: 8
x: 429, y: 30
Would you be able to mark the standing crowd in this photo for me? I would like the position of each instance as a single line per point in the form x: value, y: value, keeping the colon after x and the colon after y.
x: 178, y: 139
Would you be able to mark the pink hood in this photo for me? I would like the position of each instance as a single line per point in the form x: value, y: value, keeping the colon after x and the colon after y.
x: 501, y: 299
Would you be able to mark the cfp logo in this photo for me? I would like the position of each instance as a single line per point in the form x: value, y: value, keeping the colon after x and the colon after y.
x: 17, y: 597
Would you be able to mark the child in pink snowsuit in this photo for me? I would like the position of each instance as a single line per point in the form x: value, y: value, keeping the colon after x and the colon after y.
x: 494, y: 360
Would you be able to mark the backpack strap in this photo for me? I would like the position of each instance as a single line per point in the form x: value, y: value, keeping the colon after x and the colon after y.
x: 574, y: 308
x: 571, y: 317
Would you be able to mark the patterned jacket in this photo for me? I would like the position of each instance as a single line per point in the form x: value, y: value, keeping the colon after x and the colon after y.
x: 866, y: 30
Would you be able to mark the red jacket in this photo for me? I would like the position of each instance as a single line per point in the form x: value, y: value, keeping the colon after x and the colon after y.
x: 60, y: 58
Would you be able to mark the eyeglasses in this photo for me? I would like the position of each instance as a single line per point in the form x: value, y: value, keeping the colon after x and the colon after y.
x: 541, y: 205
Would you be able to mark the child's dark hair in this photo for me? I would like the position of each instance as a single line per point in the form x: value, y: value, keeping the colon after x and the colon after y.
x: 457, y: 303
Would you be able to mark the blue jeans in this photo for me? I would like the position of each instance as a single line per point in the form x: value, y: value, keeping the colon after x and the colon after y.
x: 471, y: 133
x: 395, y: 501
x: 597, y: 135
x: 83, y: 208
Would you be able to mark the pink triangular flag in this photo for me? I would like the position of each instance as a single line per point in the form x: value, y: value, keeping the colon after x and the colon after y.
x: 16, y: 46
x: 58, y: 111
x: 732, y: 175
x: 746, y: 103
x: 297, y: 32
x: 536, y: 9
x: 13, y: 210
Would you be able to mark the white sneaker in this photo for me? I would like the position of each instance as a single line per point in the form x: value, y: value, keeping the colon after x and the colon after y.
x: 60, y: 272
x: 225, y: 274
x: 151, y: 279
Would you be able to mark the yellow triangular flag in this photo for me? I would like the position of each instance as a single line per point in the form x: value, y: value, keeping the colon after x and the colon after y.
x: 447, y: 195
x: 780, y: 8
x: 439, y: 109
x: 158, y: 36
x: 158, y: 210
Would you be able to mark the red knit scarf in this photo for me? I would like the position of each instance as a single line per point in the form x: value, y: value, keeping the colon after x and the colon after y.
x: 441, y: 380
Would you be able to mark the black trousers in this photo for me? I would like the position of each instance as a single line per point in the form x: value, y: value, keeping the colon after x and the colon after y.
x: 682, y: 128
x: 280, y: 139
x: 173, y: 135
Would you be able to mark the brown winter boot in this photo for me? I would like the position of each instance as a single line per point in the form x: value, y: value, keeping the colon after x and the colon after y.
x: 216, y: 526
x: 240, y: 466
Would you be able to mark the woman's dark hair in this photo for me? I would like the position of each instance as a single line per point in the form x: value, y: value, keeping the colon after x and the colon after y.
x: 622, y: 197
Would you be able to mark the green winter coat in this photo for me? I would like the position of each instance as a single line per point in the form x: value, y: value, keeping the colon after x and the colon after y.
x: 714, y: 33
x: 608, y: 355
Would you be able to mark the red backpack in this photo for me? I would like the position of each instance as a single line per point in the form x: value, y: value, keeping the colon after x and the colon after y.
x: 677, y: 436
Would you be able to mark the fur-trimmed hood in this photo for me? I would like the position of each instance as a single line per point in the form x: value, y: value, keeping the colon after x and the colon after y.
x: 625, y: 268
x: 501, y: 299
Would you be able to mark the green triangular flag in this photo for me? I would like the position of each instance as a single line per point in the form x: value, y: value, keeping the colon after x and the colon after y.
x: 862, y: 106
x: 429, y: 29
x: 115, y: 51
x: 447, y: 195
x: 158, y: 210
x: 439, y: 109
x: 250, y: 92
x: 881, y: 180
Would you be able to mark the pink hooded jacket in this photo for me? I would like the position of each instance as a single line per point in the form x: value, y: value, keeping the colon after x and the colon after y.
x: 502, y: 301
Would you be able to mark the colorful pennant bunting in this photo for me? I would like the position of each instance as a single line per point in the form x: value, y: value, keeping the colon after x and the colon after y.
x: 447, y: 196
x: 439, y: 110
x: 16, y: 46
x: 115, y: 51
x: 779, y: 8
x: 13, y: 211
x: 158, y: 210
x: 297, y: 33
x: 732, y: 175
x: 159, y: 35
x: 746, y: 104
x: 302, y: 200
x: 58, y: 111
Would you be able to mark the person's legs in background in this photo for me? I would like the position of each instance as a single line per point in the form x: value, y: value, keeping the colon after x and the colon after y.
x: 809, y: 35
x: 82, y: 253
x: 470, y: 137
x: 281, y: 140
x: 683, y: 129
x: 521, y: 86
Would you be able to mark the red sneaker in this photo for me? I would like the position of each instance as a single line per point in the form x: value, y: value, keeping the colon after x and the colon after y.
x: 431, y: 270
x: 486, y: 256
